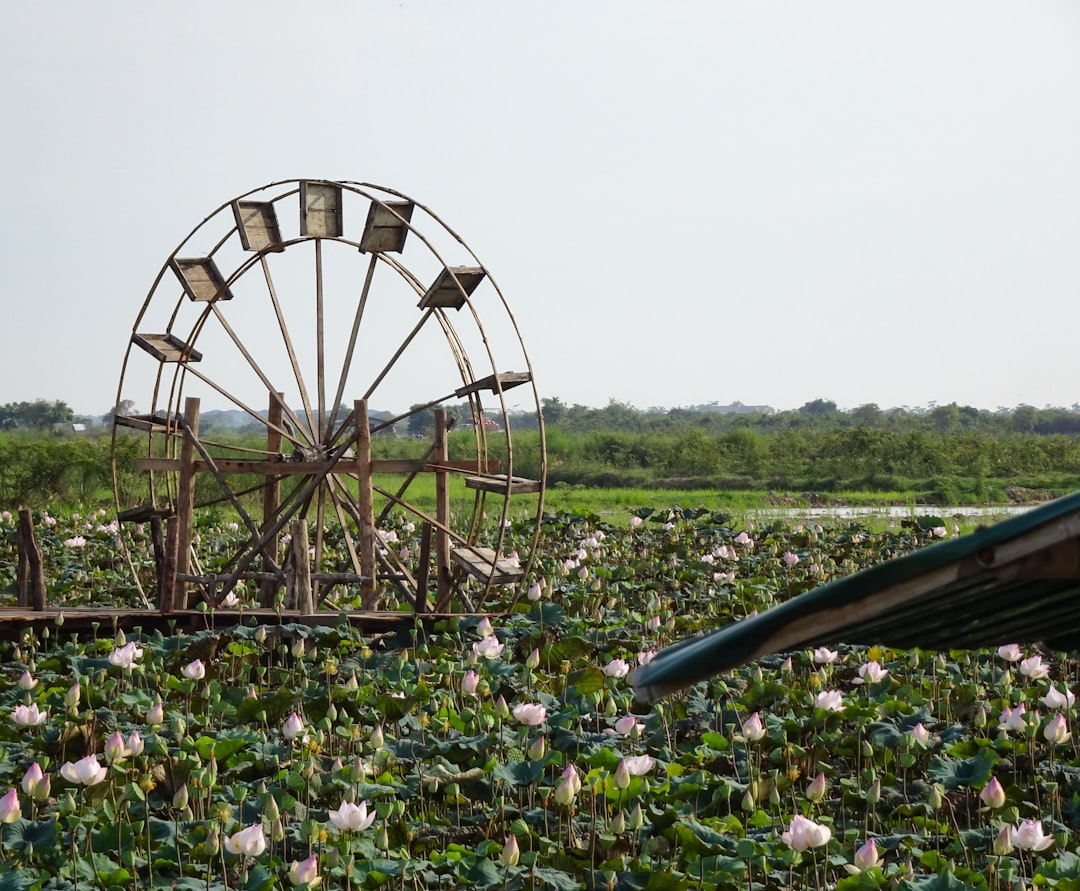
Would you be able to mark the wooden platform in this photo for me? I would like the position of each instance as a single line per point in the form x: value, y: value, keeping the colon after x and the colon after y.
x: 14, y: 621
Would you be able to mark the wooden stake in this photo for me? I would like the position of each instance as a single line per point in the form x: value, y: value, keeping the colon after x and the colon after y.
x: 305, y: 604
x: 185, y: 499
x: 271, y: 495
x: 30, y: 573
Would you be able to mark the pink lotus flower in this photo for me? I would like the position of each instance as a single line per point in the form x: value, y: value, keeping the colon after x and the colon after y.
x: 790, y: 559
x: 629, y: 724
x: 617, y: 668
x: 293, y: 728
x: 645, y: 657
x: 125, y: 656
x: 638, y: 765
x: 1010, y: 652
x: 803, y: 834
x: 921, y: 734
x: 824, y: 656
x: 510, y: 853
x: 10, y: 811
x: 156, y: 713
x: 536, y: 591
x: 86, y: 771
x: 743, y: 539
x: 489, y: 647
x: 352, y: 817
x: 1056, y: 731
x: 621, y: 776
x: 1033, y: 668
x: 530, y: 713
x: 194, y: 671
x: 816, y: 790
x: 564, y: 793
x: 36, y: 783
x: 28, y: 715
x: 1028, y: 836
x: 993, y: 794
x: 26, y: 681
x: 1012, y: 719
x: 1055, y: 699
x: 470, y: 682
x: 248, y: 842
x: 866, y: 857
x: 753, y: 729
x: 829, y: 700
x: 114, y: 748
x: 870, y: 673
x: 304, y: 872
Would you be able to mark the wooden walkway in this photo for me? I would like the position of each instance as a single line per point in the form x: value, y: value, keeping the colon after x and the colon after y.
x: 14, y: 621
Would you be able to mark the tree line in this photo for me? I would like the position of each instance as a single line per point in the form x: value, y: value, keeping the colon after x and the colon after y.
x: 941, y: 454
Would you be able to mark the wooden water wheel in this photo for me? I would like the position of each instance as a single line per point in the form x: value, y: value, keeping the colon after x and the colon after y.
x: 252, y: 379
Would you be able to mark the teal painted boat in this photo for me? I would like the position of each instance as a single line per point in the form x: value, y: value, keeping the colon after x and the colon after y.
x: 1017, y: 581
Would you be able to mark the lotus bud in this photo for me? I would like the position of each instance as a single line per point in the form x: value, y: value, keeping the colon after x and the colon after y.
x: 538, y: 749
x: 377, y: 738
x: 618, y: 823
x: 213, y: 842
x: 382, y: 840
x: 533, y: 659
x: 271, y: 811
x: 933, y: 800
x: 260, y: 634
x: 510, y: 853
x: 816, y: 790
x: 501, y: 708
x: 180, y: 798
x: 748, y: 803
x: 873, y: 794
x: 277, y: 831
x: 622, y: 775
x: 67, y: 804
x: 635, y: 821
x: 298, y: 648
x: 71, y: 698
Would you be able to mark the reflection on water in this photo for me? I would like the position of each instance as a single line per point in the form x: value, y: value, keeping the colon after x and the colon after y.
x: 891, y: 513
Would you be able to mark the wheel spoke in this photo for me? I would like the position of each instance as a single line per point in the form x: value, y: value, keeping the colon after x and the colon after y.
x: 287, y: 338
x: 255, y: 366
x: 347, y: 364
x: 320, y: 341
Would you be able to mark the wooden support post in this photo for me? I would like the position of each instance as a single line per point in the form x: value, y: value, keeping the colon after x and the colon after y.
x: 185, y: 500
x: 365, y: 503
x: 425, y: 563
x: 271, y: 496
x: 442, y: 511
x: 167, y: 579
x: 305, y: 604
x: 158, y: 543
x: 30, y: 573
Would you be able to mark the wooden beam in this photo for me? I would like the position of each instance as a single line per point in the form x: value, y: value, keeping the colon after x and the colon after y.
x: 309, y: 468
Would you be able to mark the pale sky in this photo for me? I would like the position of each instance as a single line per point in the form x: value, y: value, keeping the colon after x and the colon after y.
x: 682, y: 202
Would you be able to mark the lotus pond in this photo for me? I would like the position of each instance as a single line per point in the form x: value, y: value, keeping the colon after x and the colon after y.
x: 506, y: 752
